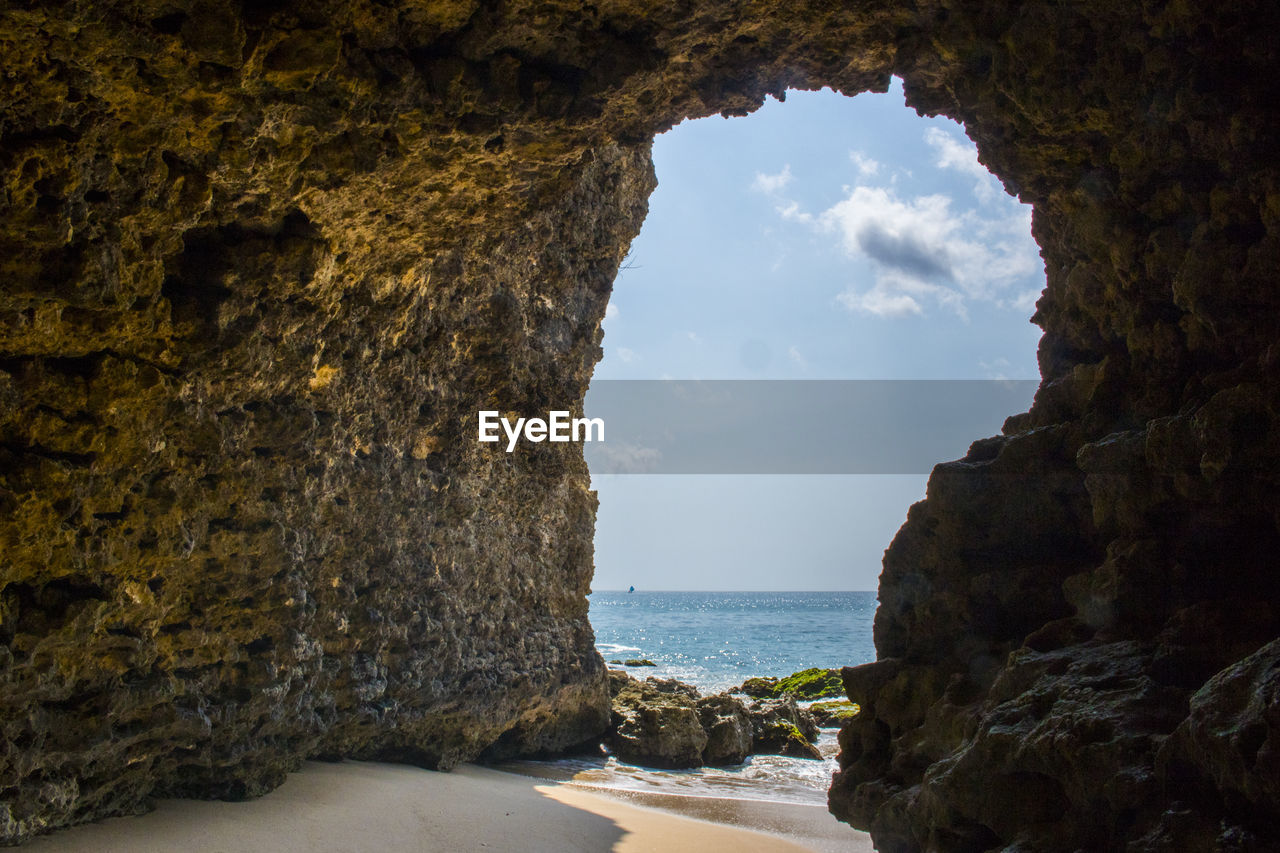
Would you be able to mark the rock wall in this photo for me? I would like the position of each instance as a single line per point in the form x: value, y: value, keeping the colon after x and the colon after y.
x: 262, y: 262
x: 1072, y: 627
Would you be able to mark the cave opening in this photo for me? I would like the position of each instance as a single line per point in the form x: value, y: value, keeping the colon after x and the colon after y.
x: 821, y: 237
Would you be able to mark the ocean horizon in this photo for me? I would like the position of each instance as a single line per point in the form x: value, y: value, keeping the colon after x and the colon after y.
x: 715, y: 640
x: 719, y: 591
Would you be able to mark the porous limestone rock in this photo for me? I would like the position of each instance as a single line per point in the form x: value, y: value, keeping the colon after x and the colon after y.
x: 727, y: 723
x: 261, y: 263
x: 781, y: 727
x: 667, y: 723
x: 1224, y: 757
x: 656, y: 723
x: 773, y: 735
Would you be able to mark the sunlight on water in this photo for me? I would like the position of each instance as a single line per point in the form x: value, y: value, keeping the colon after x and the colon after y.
x: 716, y: 640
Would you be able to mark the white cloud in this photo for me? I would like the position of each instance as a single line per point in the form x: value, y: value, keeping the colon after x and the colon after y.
x: 791, y: 210
x: 694, y: 338
x: 879, y: 301
x: 772, y: 184
x: 797, y: 358
x: 610, y: 311
x: 925, y: 252
x: 995, y: 369
x: 911, y: 236
x: 627, y: 355
x: 1025, y: 301
x: 963, y: 157
x: 866, y: 165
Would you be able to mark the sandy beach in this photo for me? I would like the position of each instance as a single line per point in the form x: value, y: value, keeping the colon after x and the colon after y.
x: 359, y: 806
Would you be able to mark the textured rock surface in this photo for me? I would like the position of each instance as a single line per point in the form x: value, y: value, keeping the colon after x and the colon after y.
x: 1227, y: 751
x: 261, y: 262
x: 729, y: 731
x: 656, y: 723
x: 667, y: 723
x: 780, y: 727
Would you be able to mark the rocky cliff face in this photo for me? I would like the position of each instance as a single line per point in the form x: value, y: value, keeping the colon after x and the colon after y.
x: 262, y: 262
x: 1070, y: 625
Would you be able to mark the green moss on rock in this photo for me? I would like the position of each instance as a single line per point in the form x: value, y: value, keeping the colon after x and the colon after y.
x: 759, y: 688
x: 828, y: 714
x: 814, y: 683
x: 779, y: 737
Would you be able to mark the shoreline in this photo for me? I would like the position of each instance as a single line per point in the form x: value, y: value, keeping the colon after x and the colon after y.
x: 366, y: 805
x: 763, y: 778
x: 810, y: 826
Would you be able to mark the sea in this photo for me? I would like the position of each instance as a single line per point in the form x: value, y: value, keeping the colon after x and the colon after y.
x: 715, y: 641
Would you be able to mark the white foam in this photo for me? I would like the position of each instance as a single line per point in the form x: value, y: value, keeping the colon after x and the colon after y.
x: 767, y: 778
x: 614, y: 648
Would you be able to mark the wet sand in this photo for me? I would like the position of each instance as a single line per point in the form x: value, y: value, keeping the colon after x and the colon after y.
x: 364, y: 806
x: 812, y: 827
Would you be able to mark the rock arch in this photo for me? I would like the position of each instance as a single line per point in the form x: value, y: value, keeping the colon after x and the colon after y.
x: 262, y: 261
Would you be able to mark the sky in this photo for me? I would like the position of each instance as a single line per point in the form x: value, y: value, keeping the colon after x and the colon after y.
x: 825, y: 237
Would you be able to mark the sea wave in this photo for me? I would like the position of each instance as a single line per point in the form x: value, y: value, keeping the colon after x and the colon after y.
x: 614, y: 648
x: 765, y: 778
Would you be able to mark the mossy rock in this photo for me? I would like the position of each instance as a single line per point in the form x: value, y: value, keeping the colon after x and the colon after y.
x: 816, y: 683
x: 759, y: 688
x: 638, y: 662
x: 829, y: 714
x: 779, y: 737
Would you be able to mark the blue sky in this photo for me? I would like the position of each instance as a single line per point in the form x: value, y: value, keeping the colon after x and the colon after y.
x: 821, y: 238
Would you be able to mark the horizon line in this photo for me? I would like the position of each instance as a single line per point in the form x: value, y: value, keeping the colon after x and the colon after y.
x: 594, y: 591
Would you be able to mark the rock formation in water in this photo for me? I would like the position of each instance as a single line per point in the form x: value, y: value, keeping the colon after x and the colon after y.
x: 666, y: 723
x: 261, y: 263
x: 656, y: 722
x: 813, y: 683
